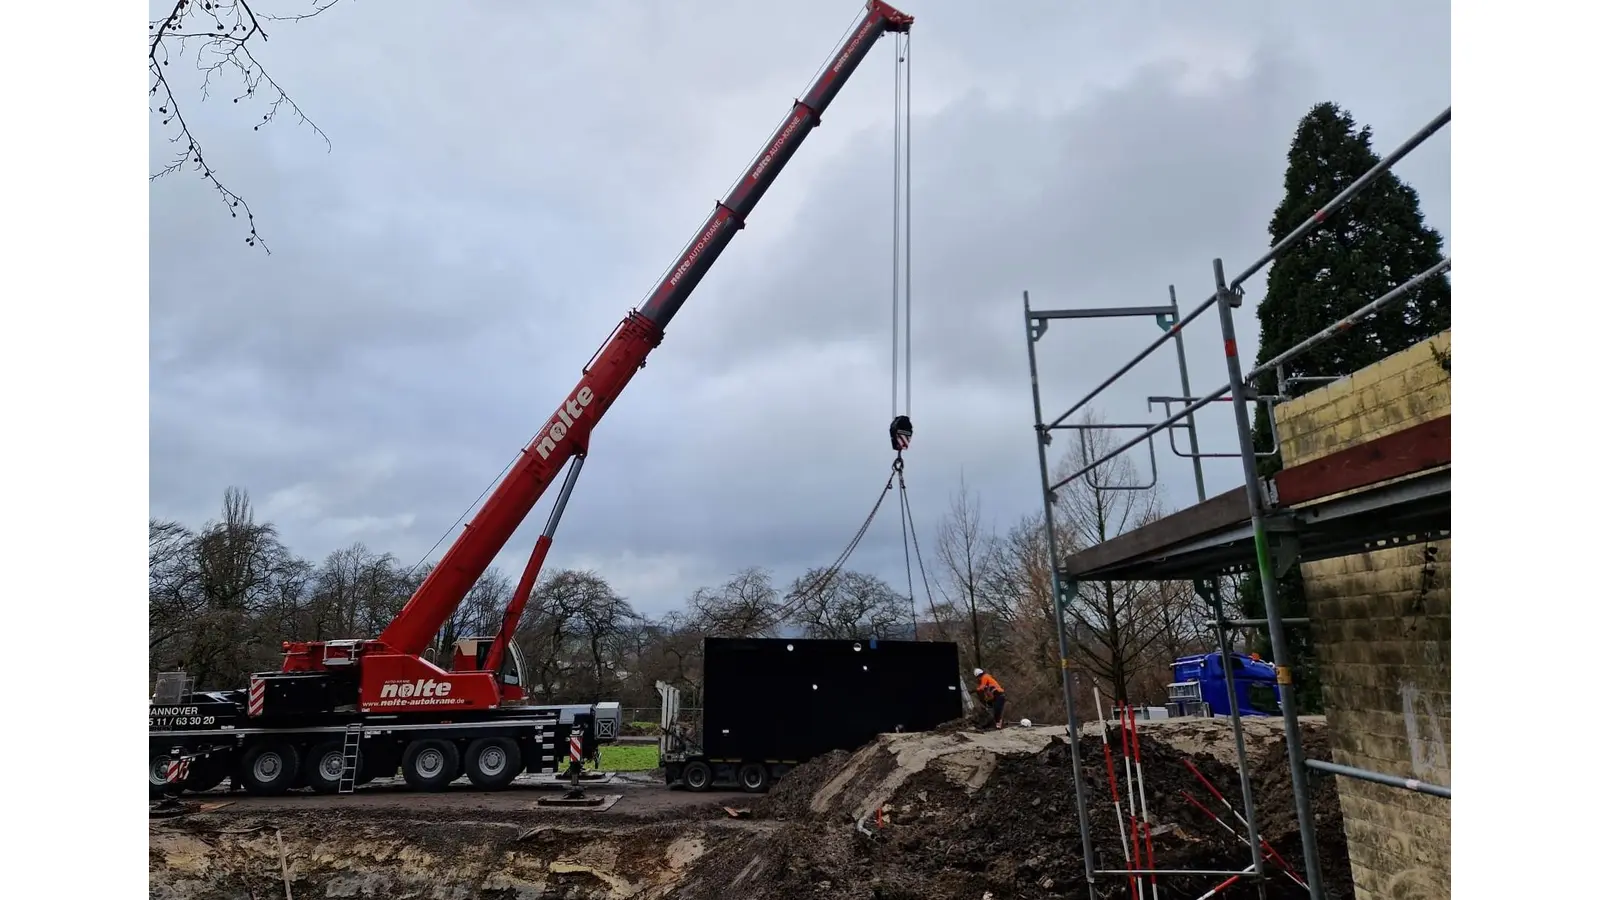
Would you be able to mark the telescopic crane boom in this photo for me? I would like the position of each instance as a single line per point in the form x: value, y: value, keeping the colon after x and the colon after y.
x: 564, y: 437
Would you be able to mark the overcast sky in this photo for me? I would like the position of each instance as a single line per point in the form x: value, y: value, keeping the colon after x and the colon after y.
x: 507, y: 180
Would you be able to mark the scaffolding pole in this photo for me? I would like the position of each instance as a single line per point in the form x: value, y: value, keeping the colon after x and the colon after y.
x: 1058, y: 595
x: 1240, y: 392
x: 1269, y: 593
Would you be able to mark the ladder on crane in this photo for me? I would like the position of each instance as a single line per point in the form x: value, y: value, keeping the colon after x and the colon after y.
x: 352, y: 755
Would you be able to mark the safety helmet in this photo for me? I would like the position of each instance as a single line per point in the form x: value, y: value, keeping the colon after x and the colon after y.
x: 977, y: 673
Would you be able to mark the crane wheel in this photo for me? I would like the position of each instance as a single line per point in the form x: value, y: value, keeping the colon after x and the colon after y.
x: 158, y: 776
x: 754, y: 778
x: 269, y: 769
x: 697, y: 775
x: 430, y: 764
x: 492, y: 763
x: 325, y: 766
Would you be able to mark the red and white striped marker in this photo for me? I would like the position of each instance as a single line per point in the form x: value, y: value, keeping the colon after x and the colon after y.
x: 258, y: 695
x: 177, y: 770
x: 1144, y: 805
x: 575, y: 748
x: 1111, y: 777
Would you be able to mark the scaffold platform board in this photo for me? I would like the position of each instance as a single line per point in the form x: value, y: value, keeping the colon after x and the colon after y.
x: 1387, y: 492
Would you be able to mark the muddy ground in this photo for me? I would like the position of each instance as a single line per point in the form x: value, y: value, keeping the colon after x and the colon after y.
x: 964, y: 815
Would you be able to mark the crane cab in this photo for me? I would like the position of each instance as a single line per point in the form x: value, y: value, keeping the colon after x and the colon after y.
x: 472, y: 655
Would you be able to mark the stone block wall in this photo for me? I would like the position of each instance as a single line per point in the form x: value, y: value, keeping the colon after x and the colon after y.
x: 1381, y: 622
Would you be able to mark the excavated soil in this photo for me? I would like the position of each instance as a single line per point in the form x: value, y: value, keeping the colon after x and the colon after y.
x: 964, y: 816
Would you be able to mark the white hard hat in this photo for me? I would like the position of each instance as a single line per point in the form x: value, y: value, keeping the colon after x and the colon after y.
x: 977, y: 673
x: 1026, y: 723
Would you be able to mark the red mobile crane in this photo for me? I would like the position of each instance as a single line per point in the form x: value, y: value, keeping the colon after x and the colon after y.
x: 343, y: 711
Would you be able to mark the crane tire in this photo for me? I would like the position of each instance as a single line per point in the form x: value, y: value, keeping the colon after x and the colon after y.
x: 430, y: 764
x: 158, y: 770
x: 324, y: 767
x: 492, y: 763
x: 697, y: 775
x: 754, y: 778
x: 269, y: 769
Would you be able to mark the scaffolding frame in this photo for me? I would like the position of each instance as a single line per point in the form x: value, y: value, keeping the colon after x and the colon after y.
x: 1388, y: 492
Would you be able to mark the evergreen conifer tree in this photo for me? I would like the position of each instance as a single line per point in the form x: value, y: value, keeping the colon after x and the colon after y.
x: 1375, y: 243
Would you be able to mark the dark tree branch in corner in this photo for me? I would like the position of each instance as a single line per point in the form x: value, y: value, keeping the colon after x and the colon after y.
x: 219, y: 34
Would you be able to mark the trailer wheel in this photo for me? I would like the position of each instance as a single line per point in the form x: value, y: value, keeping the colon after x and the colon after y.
x: 430, y: 764
x: 697, y: 775
x: 269, y: 769
x: 325, y: 767
x: 493, y: 762
x: 753, y: 778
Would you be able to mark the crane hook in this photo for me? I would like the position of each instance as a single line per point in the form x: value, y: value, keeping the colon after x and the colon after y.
x: 900, y: 433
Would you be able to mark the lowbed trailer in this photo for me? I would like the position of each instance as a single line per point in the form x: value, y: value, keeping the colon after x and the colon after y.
x: 772, y: 704
x: 212, y: 734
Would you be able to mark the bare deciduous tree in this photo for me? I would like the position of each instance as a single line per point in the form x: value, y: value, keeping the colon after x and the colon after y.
x: 746, y: 605
x: 1119, y: 620
x: 480, y: 614
x: 964, y: 549
x: 220, y: 38
x: 223, y: 597
x: 174, y: 600
x: 355, y: 588
x: 850, y: 605
x: 573, y: 631
x: 237, y: 567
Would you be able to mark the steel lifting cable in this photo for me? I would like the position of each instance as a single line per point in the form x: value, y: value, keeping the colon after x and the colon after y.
x: 900, y: 286
x: 905, y: 171
x: 900, y: 249
x: 908, y: 523
x: 816, y: 587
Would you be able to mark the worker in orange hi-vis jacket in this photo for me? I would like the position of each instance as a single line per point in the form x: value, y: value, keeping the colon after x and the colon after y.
x: 993, y: 694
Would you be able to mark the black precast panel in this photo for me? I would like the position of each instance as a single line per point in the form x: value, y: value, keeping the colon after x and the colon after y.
x: 791, y: 700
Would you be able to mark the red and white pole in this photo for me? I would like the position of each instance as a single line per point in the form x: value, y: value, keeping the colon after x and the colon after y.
x: 1144, y: 805
x: 1271, y: 852
x: 1133, y: 820
x: 1111, y: 776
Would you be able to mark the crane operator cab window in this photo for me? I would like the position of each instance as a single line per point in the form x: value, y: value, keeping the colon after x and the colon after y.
x: 472, y: 654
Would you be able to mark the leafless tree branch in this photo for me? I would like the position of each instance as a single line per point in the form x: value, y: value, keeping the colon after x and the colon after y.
x: 220, y: 35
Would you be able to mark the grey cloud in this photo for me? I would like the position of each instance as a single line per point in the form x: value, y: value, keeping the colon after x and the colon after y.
x: 507, y: 180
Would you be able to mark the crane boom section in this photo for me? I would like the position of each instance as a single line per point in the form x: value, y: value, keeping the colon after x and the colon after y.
x: 567, y: 432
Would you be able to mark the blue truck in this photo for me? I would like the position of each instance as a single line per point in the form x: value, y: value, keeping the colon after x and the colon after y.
x: 1199, y: 686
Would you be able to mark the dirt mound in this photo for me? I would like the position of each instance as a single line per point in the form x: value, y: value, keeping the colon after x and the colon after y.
x: 790, y: 797
x: 996, y: 812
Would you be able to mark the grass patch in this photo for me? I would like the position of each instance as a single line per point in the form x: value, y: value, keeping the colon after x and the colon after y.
x: 630, y: 758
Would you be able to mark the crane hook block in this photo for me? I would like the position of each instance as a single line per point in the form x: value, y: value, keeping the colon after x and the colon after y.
x: 900, y: 433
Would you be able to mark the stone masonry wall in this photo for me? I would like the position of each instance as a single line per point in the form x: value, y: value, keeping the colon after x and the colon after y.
x: 1381, y: 622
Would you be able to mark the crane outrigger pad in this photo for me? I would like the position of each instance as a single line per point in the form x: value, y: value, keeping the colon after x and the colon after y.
x: 555, y: 780
x: 596, y: 802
